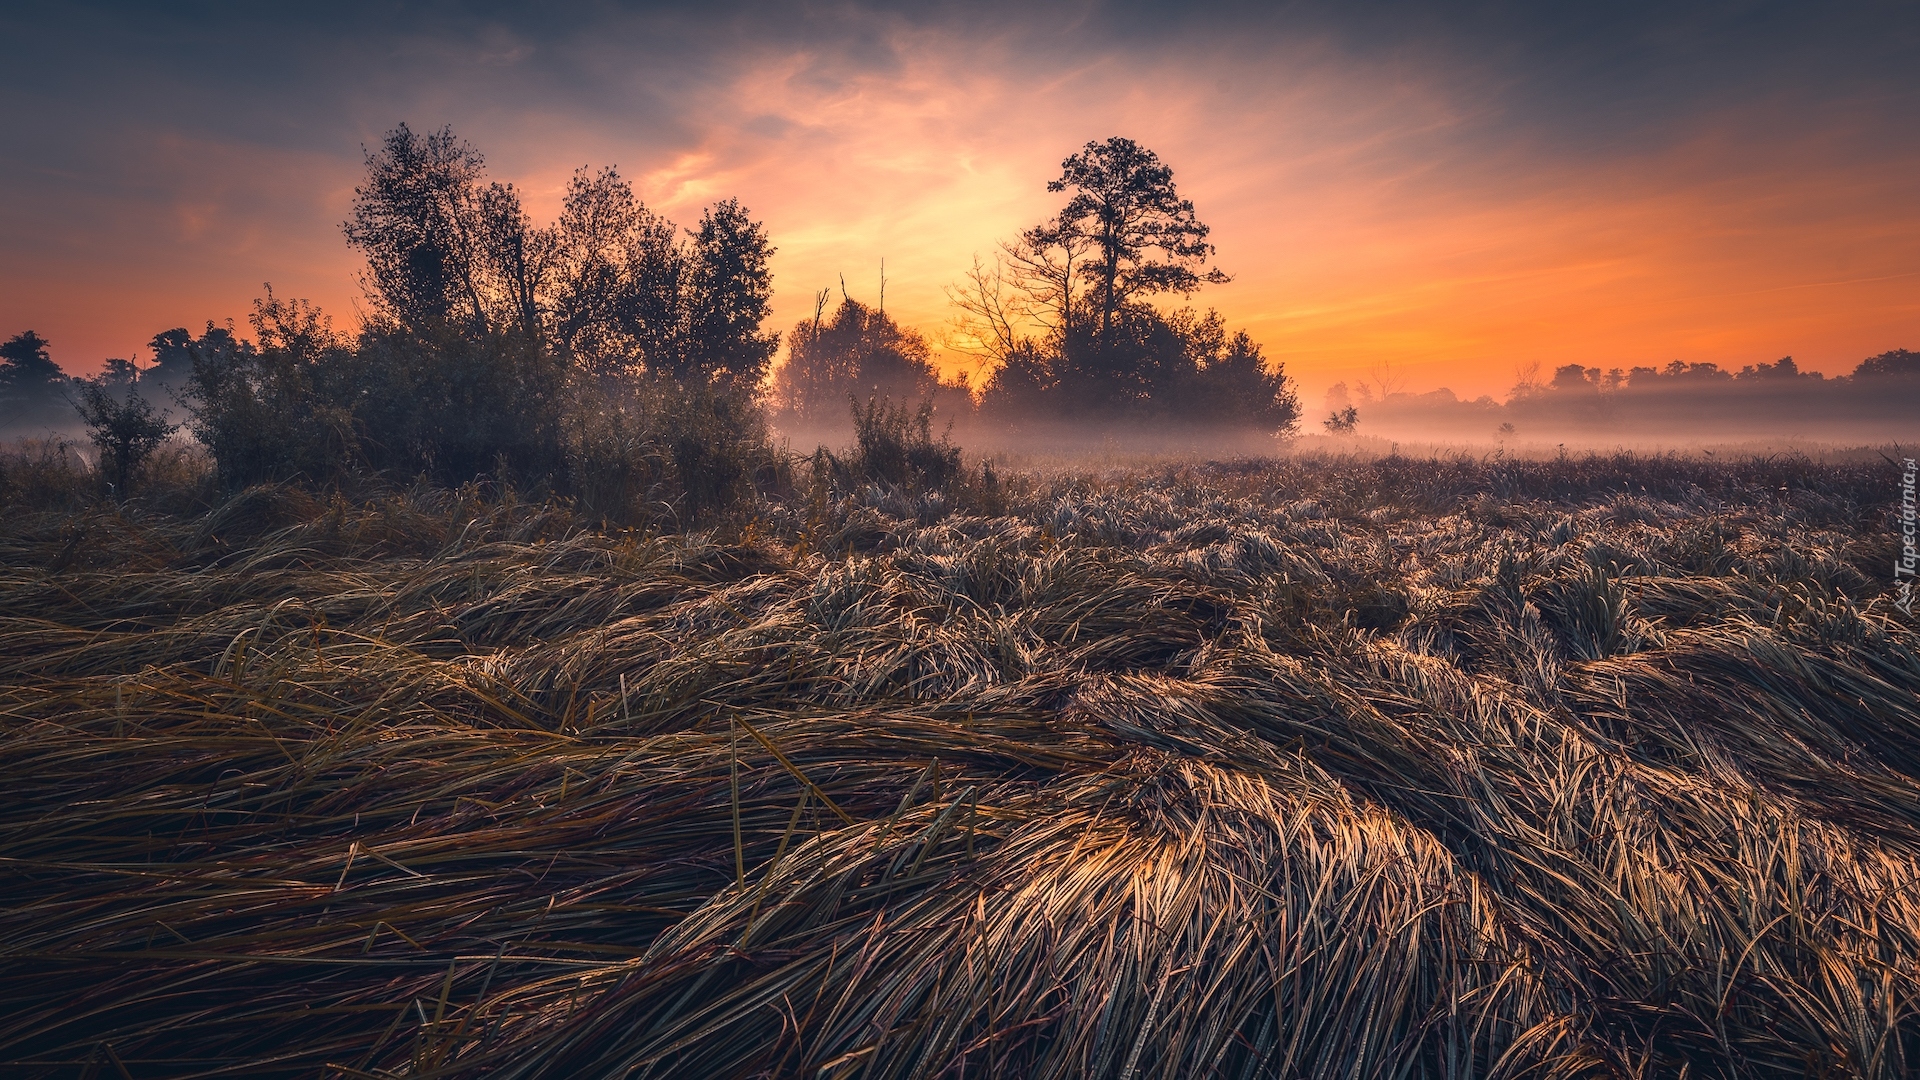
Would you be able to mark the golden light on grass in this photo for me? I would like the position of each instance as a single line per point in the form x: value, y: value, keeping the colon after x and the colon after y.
x: 1325, y: 768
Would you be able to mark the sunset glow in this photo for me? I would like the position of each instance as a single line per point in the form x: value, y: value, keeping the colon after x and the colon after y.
x: 1451, y: 206
x: 914, y: 539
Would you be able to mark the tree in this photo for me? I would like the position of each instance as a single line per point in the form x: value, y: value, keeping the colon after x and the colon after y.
x: 860, y: 352
x: 1783, y: 368
x: 728, y: 291
x: 125, y: 426
x: 442, y: 250
x: 172, y: 356
x: 27, y: 359
x: 1343, y: 421
x: 281, y: 409
x: 450, y: 405
x: 616, y: 279
x: 1139, y: 367
x: 1125, y: 208
x: 1063, y: 317
x: 626, y: 293
x: 1031, y: 283
x: 31, y: 384
x: 1893, y: 363
x: 1232, y: 384
x: 1573, y: 378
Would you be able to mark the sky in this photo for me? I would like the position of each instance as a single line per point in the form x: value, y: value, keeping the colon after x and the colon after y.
x: 1425, y: 194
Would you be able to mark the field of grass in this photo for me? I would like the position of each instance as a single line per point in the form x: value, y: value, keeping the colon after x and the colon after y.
x: 1313, y: 768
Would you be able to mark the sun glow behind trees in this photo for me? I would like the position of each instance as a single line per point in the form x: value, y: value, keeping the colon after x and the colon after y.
x: 1438, y: 202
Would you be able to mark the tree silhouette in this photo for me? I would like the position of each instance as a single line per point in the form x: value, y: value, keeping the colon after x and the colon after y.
x: 1229, y: 383
x: 124, y: 426
x: 1124, y: 205
x: 490, y: 340
x: 1082, y: 280
x: 1894, y: 363
x: 26, y: 350
x: 617, y: 278
x: 443, y: 251
x: 728, y: 296
x: 172, y: 356
x: 859, y: 352
x: 624, y: 292
x: 31, y: 384
x: 284, y: 407
x: 484, y: 322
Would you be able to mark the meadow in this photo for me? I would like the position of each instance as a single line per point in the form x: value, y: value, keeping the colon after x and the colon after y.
x: 1591, y: 766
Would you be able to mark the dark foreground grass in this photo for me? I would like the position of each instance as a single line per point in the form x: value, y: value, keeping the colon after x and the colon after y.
x: 1600, y: 767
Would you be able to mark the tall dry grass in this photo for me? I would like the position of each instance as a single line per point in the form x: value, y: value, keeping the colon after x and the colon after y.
x: 1596, y: 767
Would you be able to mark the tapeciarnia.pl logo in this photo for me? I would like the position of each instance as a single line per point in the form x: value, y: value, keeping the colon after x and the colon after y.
x: 1903, y: 566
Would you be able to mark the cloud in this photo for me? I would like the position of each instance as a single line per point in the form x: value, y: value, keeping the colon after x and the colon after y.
x: 1458, y: 189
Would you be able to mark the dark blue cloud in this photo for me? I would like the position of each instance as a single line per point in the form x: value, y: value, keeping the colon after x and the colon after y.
x: 302, y: 74
x: 124, y: 125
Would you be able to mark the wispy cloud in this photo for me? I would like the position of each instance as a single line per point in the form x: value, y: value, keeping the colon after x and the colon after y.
x: 1459, y: 191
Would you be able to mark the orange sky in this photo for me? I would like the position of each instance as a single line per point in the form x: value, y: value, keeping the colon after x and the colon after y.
x: 1404, y: 210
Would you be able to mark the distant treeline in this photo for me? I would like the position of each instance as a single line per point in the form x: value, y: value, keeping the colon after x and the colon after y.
x: 1681, y: 402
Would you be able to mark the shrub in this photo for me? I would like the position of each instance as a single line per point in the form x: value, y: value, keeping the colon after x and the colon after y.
x: 279, y: 409
x: 453, y: 406
x: 895, y: 446
x: 304, y: 402
x: 895, y: 451
x: 126, y: 430
x: 656, y: 452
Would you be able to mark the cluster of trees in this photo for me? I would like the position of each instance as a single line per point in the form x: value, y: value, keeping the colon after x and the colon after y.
x: 1084, y: 280
x: 858, y: 354
x: 1872, y: 402
x: 622, y: 358
x: 491, y: 346
x: 611, y: 287
x: 1064, y: 324
x: 615, y: 355
x: 1677, y: 375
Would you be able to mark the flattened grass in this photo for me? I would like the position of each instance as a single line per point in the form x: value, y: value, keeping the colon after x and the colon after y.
x: 1585, y: 768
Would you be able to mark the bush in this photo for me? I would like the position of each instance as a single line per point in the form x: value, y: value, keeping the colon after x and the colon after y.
x: 126, y: 430
x: 895, y: 450
x: 895, y: 446
x: 307, y: 403
x: 280, y: 409
x: 455, y: 406
x: 657, y: 453
x: 1182, y: 370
